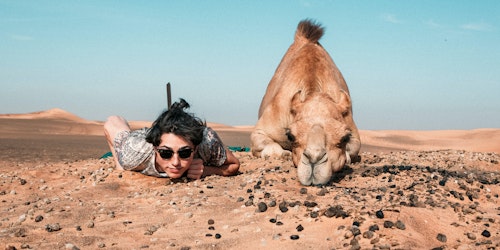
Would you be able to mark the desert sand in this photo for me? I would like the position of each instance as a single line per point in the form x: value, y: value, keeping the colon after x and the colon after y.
x: 411, y: 190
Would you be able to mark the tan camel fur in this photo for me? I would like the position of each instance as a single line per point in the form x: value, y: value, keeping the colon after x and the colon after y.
x: 307, y: 110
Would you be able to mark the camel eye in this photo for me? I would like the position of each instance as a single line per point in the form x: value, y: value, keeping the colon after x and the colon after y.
x: 290, y: 136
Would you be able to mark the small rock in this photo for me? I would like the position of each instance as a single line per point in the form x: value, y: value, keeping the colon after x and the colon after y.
x: 441, y: 237
x: 388, y: 224
x: 218, y: 236
x: 368, y: 234
x: 314, y: 214
x: 283, y: 207
x: 261, y: 207
x: 71, y: 246
x: 322, y: 192
x: 486, y: 233
x: 272, y: 203
x: 379, y: 214
x: 22, y: 218
x: 471, y: 236
x: 400, y: 225
x: 249, y: 203
x: 211, y: 222
x: 373, y: 228
x: 310, y: 204
x: 294, y: 237
x: 38, y: 218
x: 355, y: 231
x: 337, y: 211
x: 348, y: 234
x: 52, y: 227
x: 299, y: 228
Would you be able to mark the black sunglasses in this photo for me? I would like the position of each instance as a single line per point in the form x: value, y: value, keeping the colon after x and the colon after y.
x: 183, y: 153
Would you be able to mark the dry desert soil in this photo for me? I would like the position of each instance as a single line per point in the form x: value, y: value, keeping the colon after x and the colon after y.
x: 411, y: 190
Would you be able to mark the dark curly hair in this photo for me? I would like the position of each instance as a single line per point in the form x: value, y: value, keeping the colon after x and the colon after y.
x: 177, y: 121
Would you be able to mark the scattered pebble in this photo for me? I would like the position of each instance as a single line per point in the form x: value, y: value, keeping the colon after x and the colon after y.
x: 486, y: 233
x: 38, y: 218
x: 368, y: 234
x: 283, y: 207
x: 400, y: 225
x: 374, y: 228
x: 52, y: 227
x: 388, y: 224
x: 261, y: 207
x: 441, y: 237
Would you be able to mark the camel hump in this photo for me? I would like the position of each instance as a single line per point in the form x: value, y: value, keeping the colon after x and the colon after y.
x: 310, y: 30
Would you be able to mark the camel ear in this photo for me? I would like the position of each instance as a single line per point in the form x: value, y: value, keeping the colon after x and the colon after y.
x: 344, y: 103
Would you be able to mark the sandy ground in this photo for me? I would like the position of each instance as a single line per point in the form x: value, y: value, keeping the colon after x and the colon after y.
x: 411, y: 190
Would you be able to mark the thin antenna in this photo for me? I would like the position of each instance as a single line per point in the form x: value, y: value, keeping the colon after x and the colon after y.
x: 169, y: 96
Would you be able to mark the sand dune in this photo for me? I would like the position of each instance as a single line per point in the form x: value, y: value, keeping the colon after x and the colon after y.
x: 58, y: 121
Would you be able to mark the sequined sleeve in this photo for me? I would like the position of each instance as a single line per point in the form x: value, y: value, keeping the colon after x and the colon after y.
x: 211, y: 150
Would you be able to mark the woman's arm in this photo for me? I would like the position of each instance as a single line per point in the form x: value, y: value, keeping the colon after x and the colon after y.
x: 229, y: 168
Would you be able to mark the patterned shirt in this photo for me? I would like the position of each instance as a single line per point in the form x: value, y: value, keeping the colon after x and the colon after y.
x: 136, y: 154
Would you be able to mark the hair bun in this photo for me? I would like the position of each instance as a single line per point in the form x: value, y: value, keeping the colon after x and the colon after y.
x: 182, y: 104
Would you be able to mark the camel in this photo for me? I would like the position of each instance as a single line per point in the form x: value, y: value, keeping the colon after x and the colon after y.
x: 306, y: 111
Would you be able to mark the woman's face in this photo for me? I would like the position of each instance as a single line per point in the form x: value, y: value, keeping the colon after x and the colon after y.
x: 174, y: 155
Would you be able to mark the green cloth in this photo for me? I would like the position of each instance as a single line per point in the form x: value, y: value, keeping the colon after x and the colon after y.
x: 239, y: 149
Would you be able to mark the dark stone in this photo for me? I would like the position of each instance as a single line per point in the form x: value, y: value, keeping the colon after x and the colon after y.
x: 441, y: 237
x: 283, y: 207
x: 262, y: 207
x: 336, y: 211
x: 38, y: 218
x: 373, y: 228
x: 400, y: 225
x: 388, y: 224
x: 486, y: 233
x: 379, y: 214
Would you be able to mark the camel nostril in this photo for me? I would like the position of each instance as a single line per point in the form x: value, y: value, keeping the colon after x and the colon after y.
x: 314, y: 156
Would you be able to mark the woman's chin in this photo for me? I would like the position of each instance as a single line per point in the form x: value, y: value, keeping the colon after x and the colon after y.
x: 174, y: 173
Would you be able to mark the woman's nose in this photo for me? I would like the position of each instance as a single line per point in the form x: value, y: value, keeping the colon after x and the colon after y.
x: 175, y: 160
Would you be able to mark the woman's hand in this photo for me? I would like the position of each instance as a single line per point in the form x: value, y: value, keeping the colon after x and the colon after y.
x: 195, y: 171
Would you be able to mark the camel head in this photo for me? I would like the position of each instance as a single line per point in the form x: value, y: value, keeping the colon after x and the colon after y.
x: 319, y: 136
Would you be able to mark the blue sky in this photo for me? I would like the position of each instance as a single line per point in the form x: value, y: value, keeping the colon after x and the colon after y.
x: 422, y: 65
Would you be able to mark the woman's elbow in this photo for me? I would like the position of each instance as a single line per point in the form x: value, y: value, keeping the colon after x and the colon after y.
x: 233, y: 168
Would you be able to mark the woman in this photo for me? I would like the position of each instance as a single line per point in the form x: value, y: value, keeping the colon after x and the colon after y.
x: 178, y: 144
